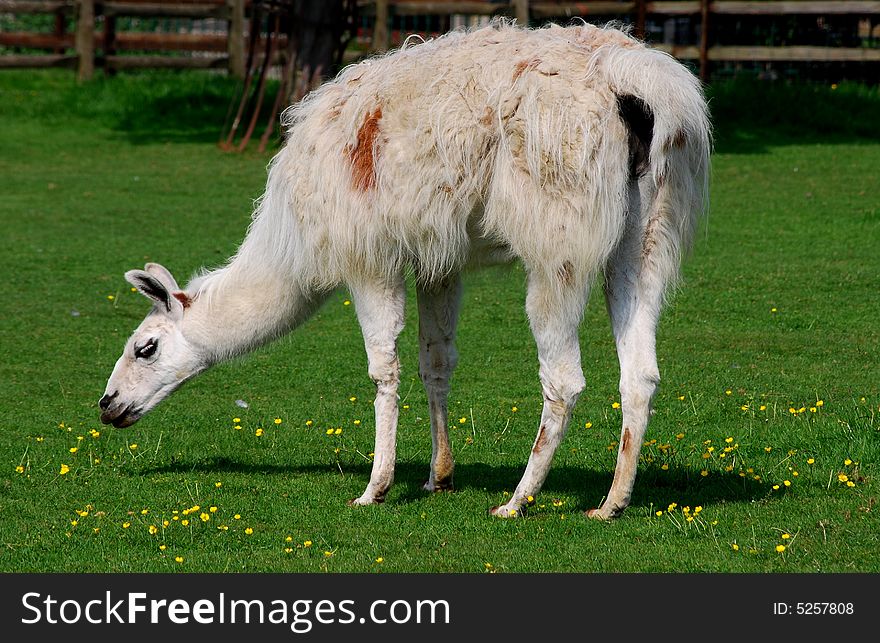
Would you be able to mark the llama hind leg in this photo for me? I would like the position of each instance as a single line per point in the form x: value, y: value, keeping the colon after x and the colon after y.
x: 380, y: 308
x: 634, y: 296
x: 438, y: 317
x: 555, y: 312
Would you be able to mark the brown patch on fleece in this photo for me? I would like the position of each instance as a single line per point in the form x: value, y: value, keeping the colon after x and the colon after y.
x: 363, y: 154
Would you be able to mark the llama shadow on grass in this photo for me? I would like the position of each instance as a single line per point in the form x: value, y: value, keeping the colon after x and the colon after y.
x: 653, y: 489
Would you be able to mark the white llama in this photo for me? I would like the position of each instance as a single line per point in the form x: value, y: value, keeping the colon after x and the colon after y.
x: 575, y: 150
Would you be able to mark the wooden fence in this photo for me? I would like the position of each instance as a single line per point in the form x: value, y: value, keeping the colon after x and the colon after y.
x: 95, y: 29
x: 227, y: 50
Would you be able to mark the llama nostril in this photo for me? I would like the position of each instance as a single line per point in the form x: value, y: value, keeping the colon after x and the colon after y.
x: 105, y: 401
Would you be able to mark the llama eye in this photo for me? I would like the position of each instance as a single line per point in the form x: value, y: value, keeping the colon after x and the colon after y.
x: 147, y: 349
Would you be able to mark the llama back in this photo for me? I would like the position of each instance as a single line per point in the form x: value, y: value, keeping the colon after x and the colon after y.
x: 506, y: 136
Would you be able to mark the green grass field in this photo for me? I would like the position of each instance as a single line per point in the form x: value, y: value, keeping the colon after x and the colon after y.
x: 766, y: 434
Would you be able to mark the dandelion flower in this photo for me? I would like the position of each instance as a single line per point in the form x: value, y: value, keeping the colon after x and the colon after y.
x: 289, y: 539
x: 259, y: 433
x: 787, y: 483
x: 288, y: 550
x: 153, y: 530
x: 488, y: 565
x: 329, y: 431
x: 73, y: 449
x: 704, y: 473
x: 728, y: 392
x: 308, y: 423
x: 19, y: 469
x: 672, y: 505
x: 64, y: 469
x: 328, y: 554
x: 357, y: 422
x: 133, y: 446
x: 681, y: 397
x: 184, y: 522
x: 679, y: 436
x: 810, y: 461
x: 204, y: 516
x: 163, y: 547
x: 178, y: 559
x: 785, y: 536
x: 850, y: 483
x: 307, y: 543
x: 780, y: 548
x: 762, y: 408
x: 212, y: 509
x: 249, y: 531
x: 820, y: 403
x: 588, y: 425
x: 842, y: 477
x: 847, y: 462
x: 664, y: 467
x: 462, y: 420
x: 237, y: 427
x: 734, y: 546
x: 380, y: 560
x: 659, y: 513
x: 615, y: 405
x: 237, y: 517
x: 126, y: 525
x: 768, y: 449
x: 352, y: 399
x: 218, y: 484
x: 337, y: 432
x: 347, y: 302
x: 236, y: 420
x: 514, y: 409
x: 728, y: 440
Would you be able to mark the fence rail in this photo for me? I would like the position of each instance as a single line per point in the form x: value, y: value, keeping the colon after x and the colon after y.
x: 78, y: 49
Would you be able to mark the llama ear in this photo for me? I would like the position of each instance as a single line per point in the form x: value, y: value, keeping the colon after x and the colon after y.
x: 162, y: 273
x: 151, y: 287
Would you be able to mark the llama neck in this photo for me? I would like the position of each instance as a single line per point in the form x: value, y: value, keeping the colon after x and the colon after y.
x: 236, y: 310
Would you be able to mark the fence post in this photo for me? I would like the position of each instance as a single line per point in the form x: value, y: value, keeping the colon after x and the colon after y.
x: 235, y: 37
x: 521, y: 12
x: 85, y: 39
x: 704, y: 40
x: 381, y: 35
x: 641, y: 18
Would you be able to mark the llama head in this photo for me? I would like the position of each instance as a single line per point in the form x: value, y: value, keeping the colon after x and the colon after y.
x: 157, y: 358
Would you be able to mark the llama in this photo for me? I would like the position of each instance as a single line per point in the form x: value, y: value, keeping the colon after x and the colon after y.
x: 576, y: 150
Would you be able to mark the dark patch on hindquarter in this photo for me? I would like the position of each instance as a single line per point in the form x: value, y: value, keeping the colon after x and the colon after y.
x: 639, y: 121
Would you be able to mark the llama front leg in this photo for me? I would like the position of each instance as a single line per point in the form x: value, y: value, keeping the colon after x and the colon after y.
x: 634, y: 295
x: 555, y: 311
x: 438, y: 317
x: 380, y: 313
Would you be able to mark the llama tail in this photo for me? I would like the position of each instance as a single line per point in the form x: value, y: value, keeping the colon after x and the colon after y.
x: 662, y: 104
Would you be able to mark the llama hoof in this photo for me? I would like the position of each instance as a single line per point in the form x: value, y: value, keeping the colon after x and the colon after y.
x: 504, y: 511
x: 602, y: 514
x: 437, y: 487
x: 364, y: 501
